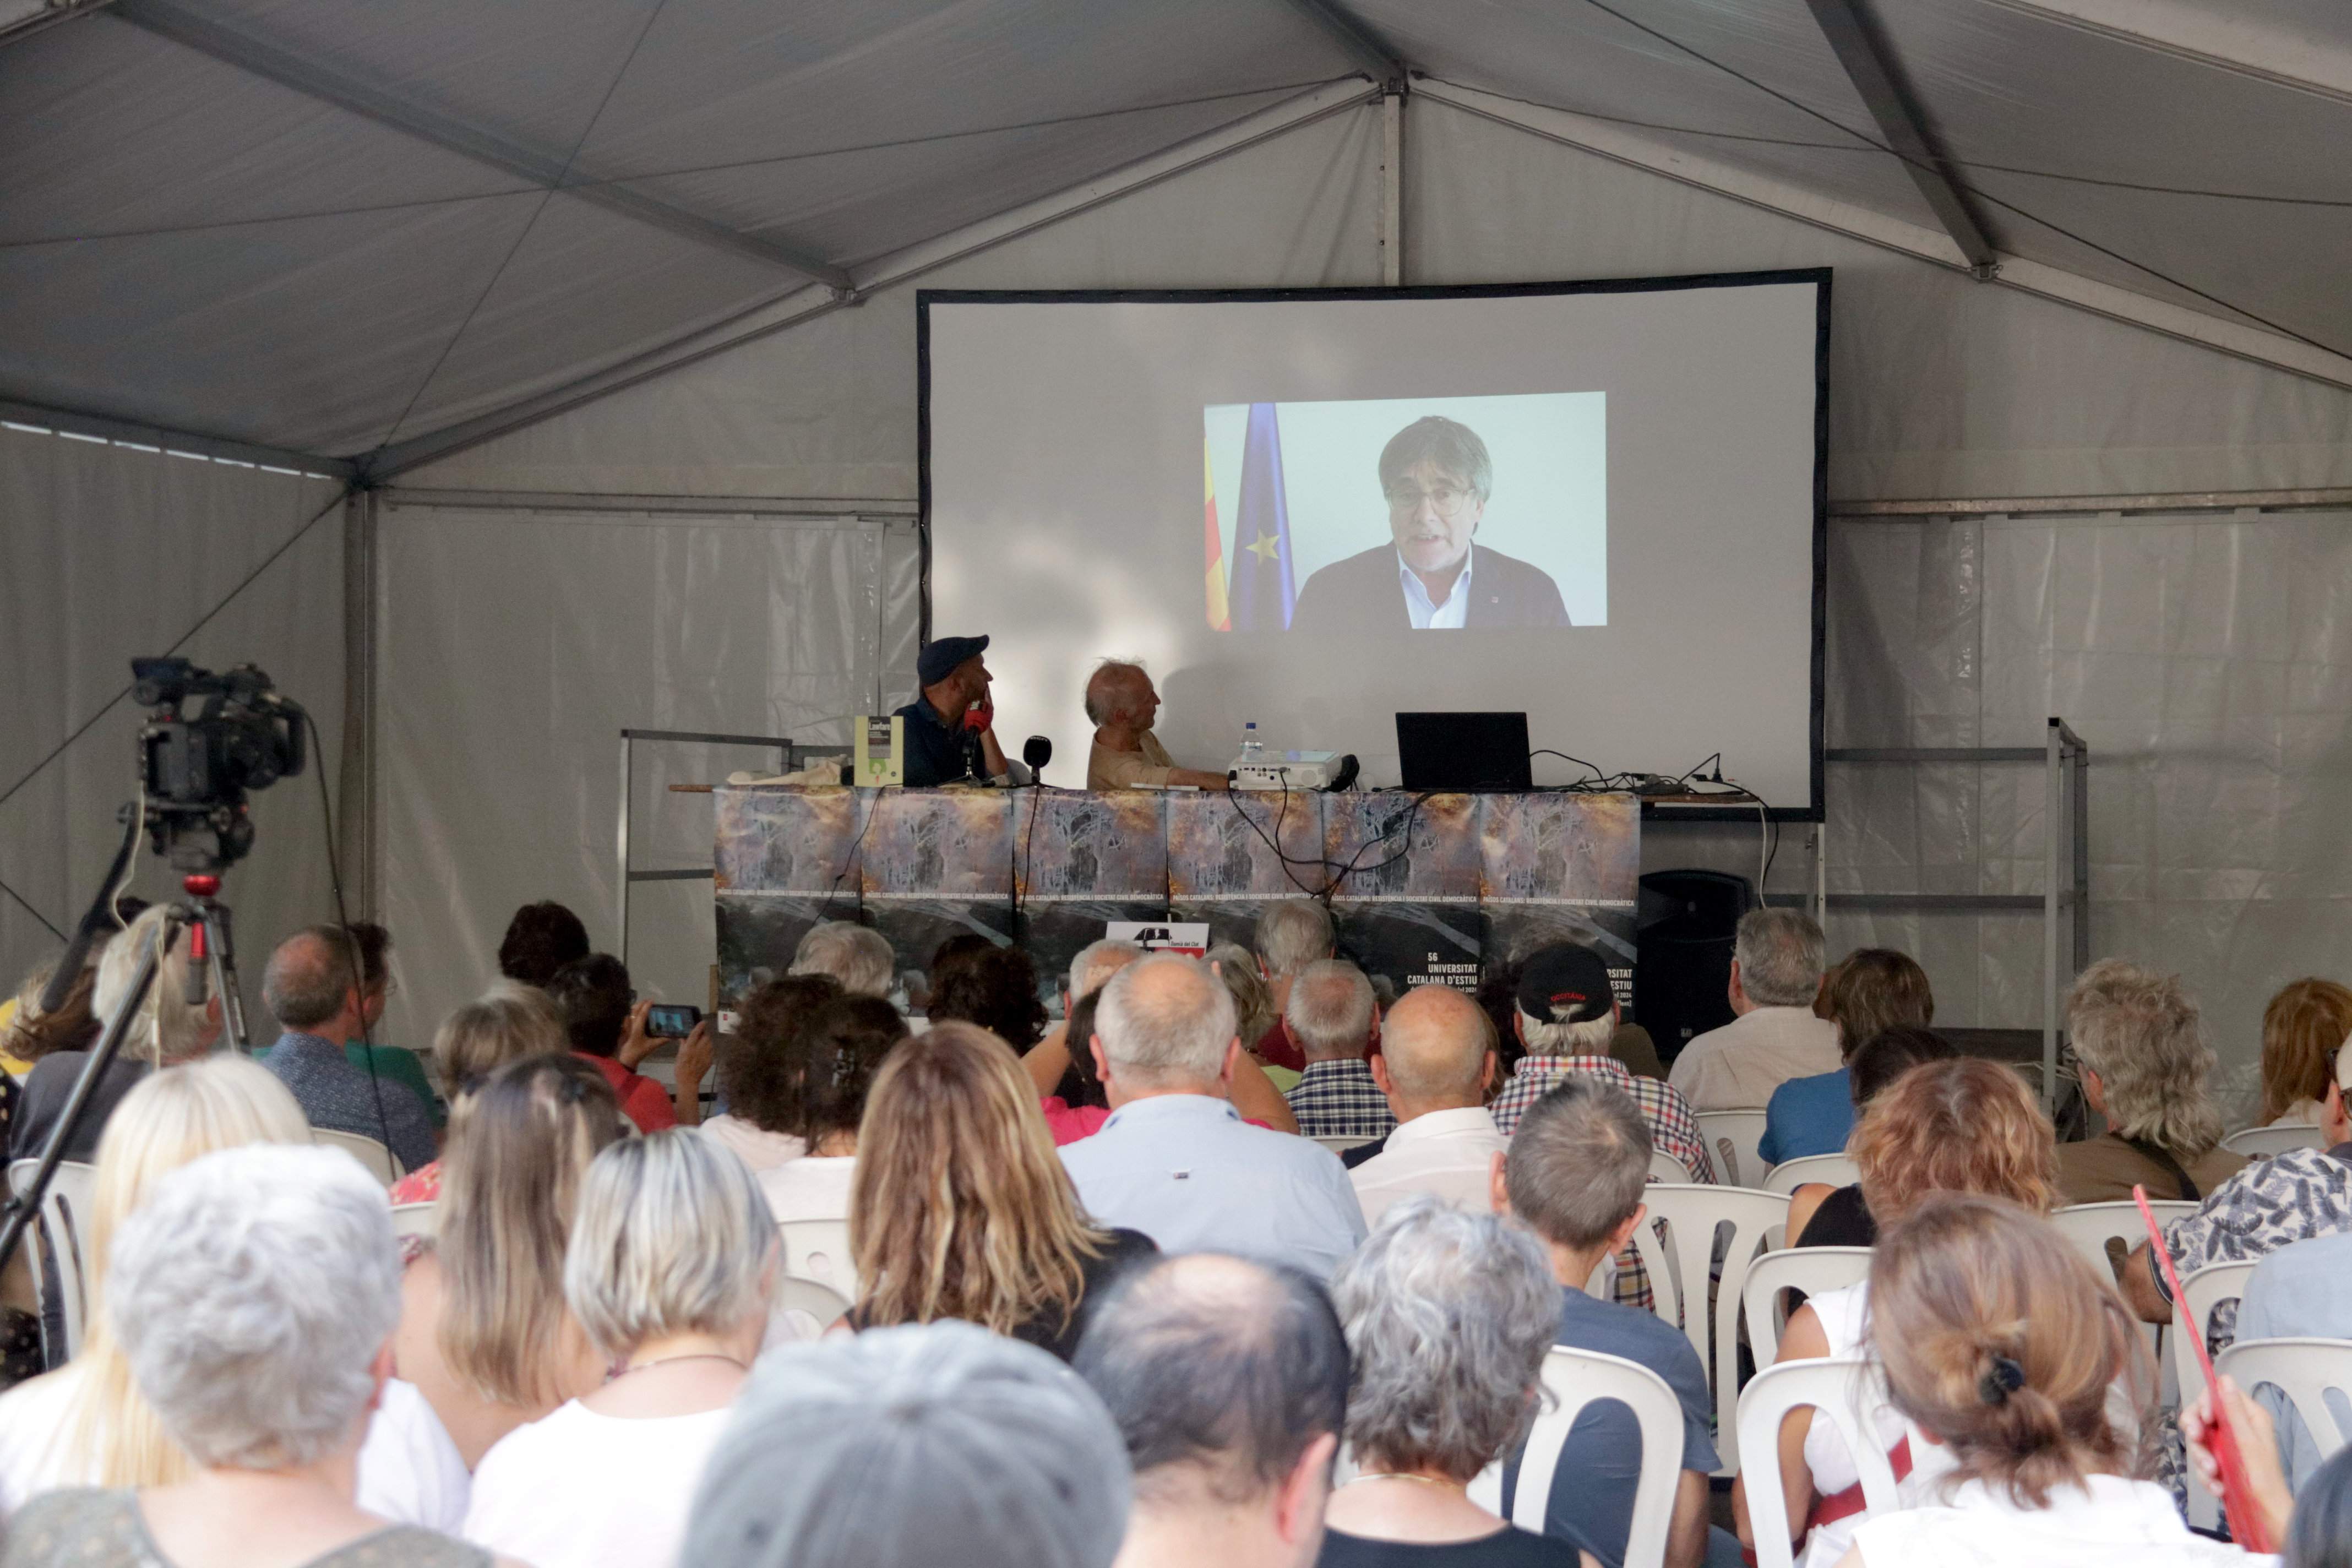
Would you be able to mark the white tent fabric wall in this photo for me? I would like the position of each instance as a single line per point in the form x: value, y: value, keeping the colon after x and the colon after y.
x: 107, y: 551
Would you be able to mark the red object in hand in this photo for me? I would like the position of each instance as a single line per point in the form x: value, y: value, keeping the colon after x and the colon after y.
x: 2246, y: 1525
x: 979, y: 717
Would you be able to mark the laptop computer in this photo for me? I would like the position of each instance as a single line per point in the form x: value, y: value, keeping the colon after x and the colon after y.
x: 1463, y: 750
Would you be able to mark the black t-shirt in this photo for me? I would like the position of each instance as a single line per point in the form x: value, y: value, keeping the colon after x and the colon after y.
x: 1842, y: 1220
x: 1509, y: 1547
x: 47, y: 1089
x: 1048, y: 1333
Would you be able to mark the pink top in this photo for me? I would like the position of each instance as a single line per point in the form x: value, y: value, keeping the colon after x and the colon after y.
x: 421, y: 1186
x: 643, y: 1100
x: 1069, y: 1123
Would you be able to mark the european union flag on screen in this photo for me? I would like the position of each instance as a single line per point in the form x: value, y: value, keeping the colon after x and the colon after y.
x: 1262, y: 591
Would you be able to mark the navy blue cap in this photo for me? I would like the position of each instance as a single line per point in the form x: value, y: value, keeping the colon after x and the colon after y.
x: 943, y: 655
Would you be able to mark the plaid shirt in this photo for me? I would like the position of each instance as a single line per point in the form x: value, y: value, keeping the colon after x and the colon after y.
x: 1339, y: 1100
x: 1673, y: 1131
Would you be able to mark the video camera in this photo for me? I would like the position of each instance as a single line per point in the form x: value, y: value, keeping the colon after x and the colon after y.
x: 195, y: 770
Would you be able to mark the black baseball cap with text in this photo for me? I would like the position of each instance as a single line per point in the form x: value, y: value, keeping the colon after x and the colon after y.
x: 1565, y: 984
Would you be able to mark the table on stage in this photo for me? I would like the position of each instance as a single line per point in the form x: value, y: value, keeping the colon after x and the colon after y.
x: 1423, y: 888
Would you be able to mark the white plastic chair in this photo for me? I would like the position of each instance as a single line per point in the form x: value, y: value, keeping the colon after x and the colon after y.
x: 1665, y: 1167
x: 2200, y: 1294
x: 2306, y: 1372
x: 1832, y: 1170
x: 1679, y: 1279
x: 1815, y: 1270
x: 1732, y: 1137
x: 806, y: 1307
x: 2090, y: 1227
x: 416, y: 1219
x: 818, y: 1249
x: 372, y: 1156
x: 1574, y: 1379
x: 2261, y: 1142
x: 62, y: 1233
x: 1840, y: 1388
x: 1341, y: 1145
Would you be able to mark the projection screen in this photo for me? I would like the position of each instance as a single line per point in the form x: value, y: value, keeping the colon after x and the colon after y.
x: 1602, y: 503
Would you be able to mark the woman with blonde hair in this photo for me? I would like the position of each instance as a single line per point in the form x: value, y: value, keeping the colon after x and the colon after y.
x: 2304, y: 1027
x: 484, y: 1331
x: 505, y: 1023
x: 2002, y: 1345
x: 86, y: 1424
x: 1965, y: 1125
x: 961, y: 1208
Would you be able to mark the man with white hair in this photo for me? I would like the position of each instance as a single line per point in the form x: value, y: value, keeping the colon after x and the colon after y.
x: 1120, y: 705
x: 857, y: 956
x: 1176, y: 1160
x: 1091, y: 971
x: 1330, y: 1015
x: 1291, y: 934
x: 1434, y: 1068
x: 1777, y: 962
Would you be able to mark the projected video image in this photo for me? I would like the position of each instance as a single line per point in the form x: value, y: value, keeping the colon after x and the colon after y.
x: 1389, y: 515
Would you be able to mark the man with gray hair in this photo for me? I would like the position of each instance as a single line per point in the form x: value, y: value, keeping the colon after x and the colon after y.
x: 1228, y: 1383
x: 1291, y: 934
x: 1330, y: 1015
x: 1574, y: 1176
x: 312, y: 988
x: 856, y: 956
x: 1434, y: 1067
x: 1091, y: 971
x: 1176, y: 1160
x: 1120, y: 705
x: 1777, y: 962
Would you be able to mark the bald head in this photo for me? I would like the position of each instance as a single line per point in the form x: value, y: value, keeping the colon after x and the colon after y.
x: 311, y: 977
x: 1434, y: 1042
x: 1117, y: 692
x: 1166, y: 1022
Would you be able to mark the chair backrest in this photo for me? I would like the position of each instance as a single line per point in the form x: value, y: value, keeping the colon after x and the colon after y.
x: 1665, y: 1167
x: 2261, y: 1142
x: 1573, y: 1379
x: 2090, y: 1227
x: 2307, y: 1371
x: 63, y: 1233
x: 2200, y: 1294
x: 804, y: 1308
x: 1732, y: 1138
x: 416, y: 1219
x: 1830, y: 1170
x: 1681, y: 1269
x: 1339, y: 1145
x: 1813, y: 1270
x: 818, y: 1249
x: 1840, y: 1388
x: 372, y: 1156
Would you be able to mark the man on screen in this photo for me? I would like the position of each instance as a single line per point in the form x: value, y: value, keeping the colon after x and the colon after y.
x: 1121, y: 704
x: 950, y: 735
x: 1436, y: 476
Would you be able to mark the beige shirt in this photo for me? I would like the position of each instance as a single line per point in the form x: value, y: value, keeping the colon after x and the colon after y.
x: 1739, y: 1066
x: 1449, y: 1153
x: 1145, y: 767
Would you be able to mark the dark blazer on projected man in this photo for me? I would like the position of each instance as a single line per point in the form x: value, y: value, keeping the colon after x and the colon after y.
x: 1362, y: 593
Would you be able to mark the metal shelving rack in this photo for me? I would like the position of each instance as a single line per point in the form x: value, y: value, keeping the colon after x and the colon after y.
x: 2065, y: 896
x: 630, y: 873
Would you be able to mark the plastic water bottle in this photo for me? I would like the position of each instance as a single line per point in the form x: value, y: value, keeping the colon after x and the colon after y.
x: 1251, y: 749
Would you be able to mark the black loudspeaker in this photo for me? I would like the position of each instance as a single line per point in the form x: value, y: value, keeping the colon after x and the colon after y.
x: 1681, y: 966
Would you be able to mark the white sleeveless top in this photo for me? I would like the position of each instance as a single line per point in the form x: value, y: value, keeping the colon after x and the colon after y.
x: 1845, y: 1316
x: 2111, y: 1523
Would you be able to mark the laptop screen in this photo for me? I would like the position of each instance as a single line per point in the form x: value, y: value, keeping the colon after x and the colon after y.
x: 1463, y: 750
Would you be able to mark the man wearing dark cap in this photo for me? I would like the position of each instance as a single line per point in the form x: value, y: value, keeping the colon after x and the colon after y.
x: 951, y: 733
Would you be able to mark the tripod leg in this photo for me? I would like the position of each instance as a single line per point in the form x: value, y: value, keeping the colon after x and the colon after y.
x: 223, y: 972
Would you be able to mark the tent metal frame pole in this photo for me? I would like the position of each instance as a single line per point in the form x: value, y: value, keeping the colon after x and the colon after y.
x: 162, y: 439
x: 1372, y: 54
x: 1392, y: 189
x: 630, y: 875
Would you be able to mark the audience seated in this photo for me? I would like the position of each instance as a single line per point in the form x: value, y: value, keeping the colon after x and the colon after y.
x: 2141, y: 1045
x: 835, y: 1052
x: 166, y: 1030
x: 1773, y: 1037
x: 1329, y: 1016
x: 483, y: 1332
x: 1291, y: 934
x: 1965, y: 1126
x: 1078, y: 1106
x: 505, y: 1023
x: 669, y: 1270
x: 996, y: 989
x: 913, y: 1448
x: 1434, y: 1070
x: 312, y: 987
x: 1228, y: 1381
x: 1175, y: 1160
x: 958, y: 1208
x: 1449, y: 1317
x: 605, y: 1024
x: 27, y: 1034
x: 87, y: 1424
x: 541, y: 939
x: 1574, y: 1176
x: 2313, y: 1518
x: 394, y: 1064
x: 253, y: 1293
x: 1872, y: 989
x: 856, y: 956
x: 947, y: 959
x: 2296, y: 1292
x: 1255, y: 1013
x: 2001, y: 1344
x: 1825, y: 1216
x: 758, y: 1075
x: 1051, y: 1057
x: 2302, y: 1028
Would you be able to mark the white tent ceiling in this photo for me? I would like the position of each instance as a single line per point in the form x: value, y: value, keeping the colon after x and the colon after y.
x: 348, y: 229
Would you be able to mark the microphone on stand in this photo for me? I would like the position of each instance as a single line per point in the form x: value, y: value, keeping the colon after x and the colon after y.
x: 1037, y: 751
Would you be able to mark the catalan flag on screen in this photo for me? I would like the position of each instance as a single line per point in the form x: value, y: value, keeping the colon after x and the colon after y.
x: 1262, y: 591
x: 1220, y: 617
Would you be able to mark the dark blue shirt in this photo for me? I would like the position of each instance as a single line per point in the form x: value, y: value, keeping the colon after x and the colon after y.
x: 939, y: 753
x: 1808, y: 1116
x: 341, y: 1097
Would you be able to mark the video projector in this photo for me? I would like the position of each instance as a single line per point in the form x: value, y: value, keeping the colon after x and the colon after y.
x: 1292, y: 770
